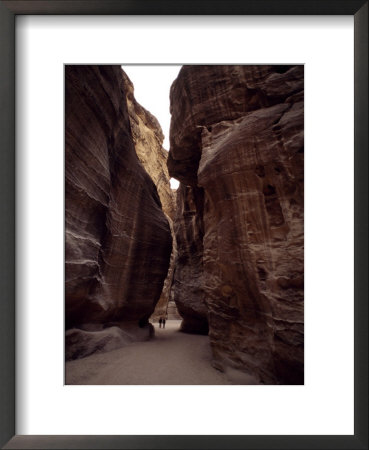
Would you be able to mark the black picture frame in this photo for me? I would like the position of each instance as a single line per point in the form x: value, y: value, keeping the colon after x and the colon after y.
x: 8, y: 11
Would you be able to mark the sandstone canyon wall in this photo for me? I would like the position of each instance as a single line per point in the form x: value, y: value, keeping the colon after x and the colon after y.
x: 148, y: 141
x: 236, y: 145
x: 118, y: 240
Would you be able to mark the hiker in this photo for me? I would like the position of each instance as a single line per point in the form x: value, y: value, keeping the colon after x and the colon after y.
x: 163, y: 322
x: 160, y: 322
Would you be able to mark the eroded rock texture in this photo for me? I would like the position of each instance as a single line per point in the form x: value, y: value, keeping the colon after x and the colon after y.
x: 189, y: 281
x: 161, y: 309
x: 237, y: 147
x: 118, y: 240
x: 148, y: 141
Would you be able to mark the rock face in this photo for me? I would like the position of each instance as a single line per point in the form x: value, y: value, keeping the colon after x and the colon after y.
x: 148, y: 141
x: 161, y: 309
x: 189, y: 280
x: 172, y: 311
x: 118, y: 240
x: 237, y: 145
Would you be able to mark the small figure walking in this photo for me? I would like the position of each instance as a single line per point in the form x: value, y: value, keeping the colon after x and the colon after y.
x: 160, y: 322
x: 163, y: 322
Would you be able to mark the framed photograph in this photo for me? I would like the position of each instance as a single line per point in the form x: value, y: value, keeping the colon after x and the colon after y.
x: 203, y: 286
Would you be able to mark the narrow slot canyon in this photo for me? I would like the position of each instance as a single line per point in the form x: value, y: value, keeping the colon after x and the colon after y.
x: 220, y: 258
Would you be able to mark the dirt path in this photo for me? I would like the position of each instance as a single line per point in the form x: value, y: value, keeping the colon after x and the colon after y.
x: 171, y: 357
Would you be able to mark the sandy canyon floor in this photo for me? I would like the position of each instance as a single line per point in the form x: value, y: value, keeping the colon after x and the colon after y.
x: 171, y: 357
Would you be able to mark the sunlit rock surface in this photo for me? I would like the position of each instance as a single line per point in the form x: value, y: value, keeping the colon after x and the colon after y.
x: 148, y: 141
x: 118, y: 240
x: 161, y: 309
x: 236, y: 144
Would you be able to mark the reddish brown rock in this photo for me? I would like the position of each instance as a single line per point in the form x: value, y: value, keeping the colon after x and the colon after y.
x: 237, y: 147
x: 118, y: 240
x: 188, y: 281
x: 148, y: 141
x: 161, y: 309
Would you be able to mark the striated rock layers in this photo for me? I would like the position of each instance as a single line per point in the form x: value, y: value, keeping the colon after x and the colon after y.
x: 118, y: 240
x: 188, y: 279
x: 148, y: 140
x: 161, y: 309
x: 237, y: 146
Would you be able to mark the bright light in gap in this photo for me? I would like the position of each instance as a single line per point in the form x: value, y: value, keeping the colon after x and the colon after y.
x: 174, y: 183
x: 151, y: 89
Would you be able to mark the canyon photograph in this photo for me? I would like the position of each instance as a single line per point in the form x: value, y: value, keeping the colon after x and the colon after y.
x: 184, y: 244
